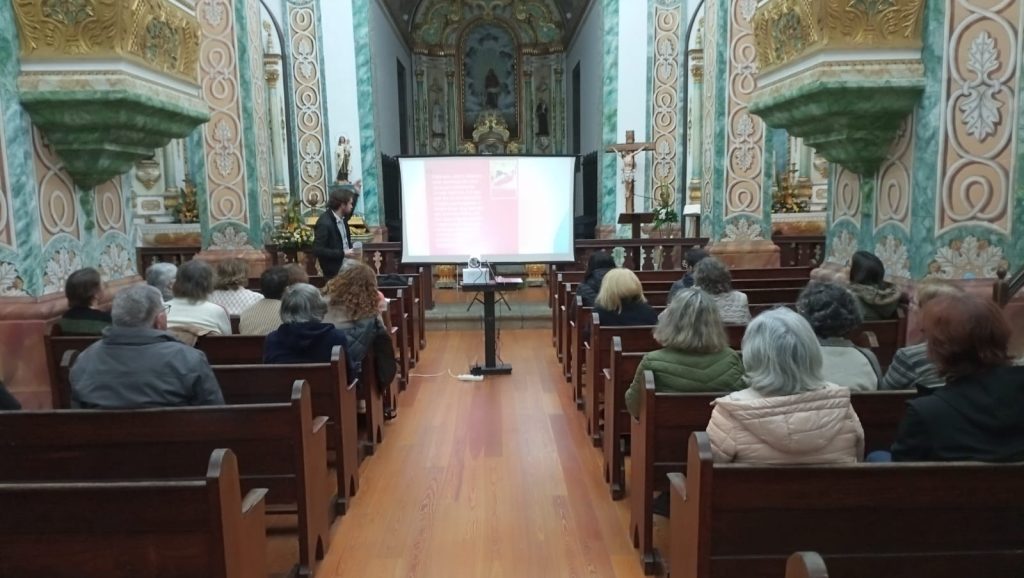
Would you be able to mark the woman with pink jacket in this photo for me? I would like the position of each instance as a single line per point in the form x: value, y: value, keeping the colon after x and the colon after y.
x: 789, y: 414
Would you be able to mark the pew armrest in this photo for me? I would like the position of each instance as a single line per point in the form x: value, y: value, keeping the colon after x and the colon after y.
x: 677, y: 484
x: 353, y: 385
x: 253, y: 532
x: 608, y: 373
x: 871, y: 338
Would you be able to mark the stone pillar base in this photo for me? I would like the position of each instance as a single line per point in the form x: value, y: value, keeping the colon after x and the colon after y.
x: 761, y: 254
x: 259, y: 260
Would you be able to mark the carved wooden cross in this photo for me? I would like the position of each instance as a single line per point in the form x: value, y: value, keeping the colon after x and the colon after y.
x: 628, y: 152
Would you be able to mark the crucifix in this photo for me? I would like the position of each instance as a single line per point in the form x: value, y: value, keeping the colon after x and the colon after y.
x: 628, y: 152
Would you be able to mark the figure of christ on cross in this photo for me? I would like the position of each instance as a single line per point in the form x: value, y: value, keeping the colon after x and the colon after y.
x: 628, y: 152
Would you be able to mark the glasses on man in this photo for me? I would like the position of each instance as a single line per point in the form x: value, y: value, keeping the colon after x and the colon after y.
x: 167, y: 307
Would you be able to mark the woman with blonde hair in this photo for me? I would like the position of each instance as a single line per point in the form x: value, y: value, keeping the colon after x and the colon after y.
x: 695, y: 354
x: 231, y: 292
x: 621, y: 300
x: 353, y: 307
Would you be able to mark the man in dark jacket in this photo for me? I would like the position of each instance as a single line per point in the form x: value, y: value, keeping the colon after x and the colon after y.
x: 137, y: 364
x: 332, y: 240
x: 693, y: 256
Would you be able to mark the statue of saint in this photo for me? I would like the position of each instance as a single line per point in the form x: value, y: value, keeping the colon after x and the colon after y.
x: 437, y: 123
x: 342, y: 155
x: 542, y: 119
x: 492, y: 88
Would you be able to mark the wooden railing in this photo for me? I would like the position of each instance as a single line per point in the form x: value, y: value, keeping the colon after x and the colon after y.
x: 1005, y: 289
x: 652, y: 254
x: 800, y: 251
x: 146, y: 256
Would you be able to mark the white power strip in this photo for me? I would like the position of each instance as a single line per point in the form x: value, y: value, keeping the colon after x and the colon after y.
x: 469, y: 377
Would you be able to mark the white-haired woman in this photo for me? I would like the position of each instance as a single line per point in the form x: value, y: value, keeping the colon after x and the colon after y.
x: 789, y: 414
x: 303, y: 337
x: 695, y: 354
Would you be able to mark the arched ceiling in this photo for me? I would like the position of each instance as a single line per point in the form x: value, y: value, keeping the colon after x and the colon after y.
x: 571, y: 11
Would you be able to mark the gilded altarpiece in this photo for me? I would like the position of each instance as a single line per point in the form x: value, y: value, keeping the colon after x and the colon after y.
x: 484, y: 69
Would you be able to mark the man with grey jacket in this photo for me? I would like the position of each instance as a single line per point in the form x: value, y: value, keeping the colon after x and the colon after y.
x: 138, y: 364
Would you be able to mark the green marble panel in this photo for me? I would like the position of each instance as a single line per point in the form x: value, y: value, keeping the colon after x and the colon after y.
x: 370, y: 197
x: 717, y: 120
x: 608, y: 168
x: 246, y: 78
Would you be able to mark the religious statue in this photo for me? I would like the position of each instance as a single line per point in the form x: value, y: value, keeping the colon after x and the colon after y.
x: 627, y: 152
x: 542, y: 119
x: 437, y: 123
x: 492, y: 88
x: 342, y: 155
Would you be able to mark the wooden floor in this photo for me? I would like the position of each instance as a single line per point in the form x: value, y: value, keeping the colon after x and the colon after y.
x: 484, y: 479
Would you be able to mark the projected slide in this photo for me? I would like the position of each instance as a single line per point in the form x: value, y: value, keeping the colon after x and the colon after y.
x: 505, y: 209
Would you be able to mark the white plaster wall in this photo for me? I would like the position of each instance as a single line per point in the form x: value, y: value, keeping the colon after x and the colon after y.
x: 586, y: 50
x: 633, y: 107
x: 388, y: 47
x: 342, y: 100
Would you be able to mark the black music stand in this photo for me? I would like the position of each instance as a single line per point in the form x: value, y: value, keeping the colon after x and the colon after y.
x: 491, y: 365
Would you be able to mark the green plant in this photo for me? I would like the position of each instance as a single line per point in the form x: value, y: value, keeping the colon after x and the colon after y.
x: 664, y: 211
x: 293, y: 233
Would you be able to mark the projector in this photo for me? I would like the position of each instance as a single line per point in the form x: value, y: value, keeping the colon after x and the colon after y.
x: 475, y: 276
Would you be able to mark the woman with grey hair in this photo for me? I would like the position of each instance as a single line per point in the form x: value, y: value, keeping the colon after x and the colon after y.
x: 789, y: 414
x: 713, y: 277
x: 161, y: 275
x: 695, y: 354
x: 834, y: 314
x: 191, y: 311
x: 303, y: 337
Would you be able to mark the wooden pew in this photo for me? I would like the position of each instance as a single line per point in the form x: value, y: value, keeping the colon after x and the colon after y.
x: 280, y: 446
x: 202, y: 527
x: 883, y: 338
x: 231, y: 349
x: 666, y: 421
x: 598, y: 355
x: 940, y: 520
x: 333, y: 396
x: 772, y: 273
x: 806, y: 565
x: 56, y: 347
x: 399, y: 317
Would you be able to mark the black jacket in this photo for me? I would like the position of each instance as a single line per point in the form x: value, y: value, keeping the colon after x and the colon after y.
x: 633, y: 313
x: 590, y: 287
x: 327, y: 243
x: 975, y: 418
x: 7, y: 401
x: 310, y: 342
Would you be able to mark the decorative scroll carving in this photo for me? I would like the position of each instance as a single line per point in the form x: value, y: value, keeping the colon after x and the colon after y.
x: 6, y: 214
x: 976, y: 159
x: 260, y: 114
x: 157, y: 34
x: 664, y: 121
x: 892, y: 198
x: 306, y: 74
x: 439, y: 24
x: 218, y: 72
x: 846, y: 201
x: 109, y: 206
x: 745, y: 131
x: 57, y: 209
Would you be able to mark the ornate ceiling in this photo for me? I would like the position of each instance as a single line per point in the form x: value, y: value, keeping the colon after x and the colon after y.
x: 571, y: 12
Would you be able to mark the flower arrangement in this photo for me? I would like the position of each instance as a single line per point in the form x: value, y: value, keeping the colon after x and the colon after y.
x: 187, y: 209
x: 293, y: 233
x: 664, y: 212
x: 783, y: 195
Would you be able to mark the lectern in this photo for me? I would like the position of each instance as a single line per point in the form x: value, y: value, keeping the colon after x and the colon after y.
x: 491, y: 365
x: 636, y: 220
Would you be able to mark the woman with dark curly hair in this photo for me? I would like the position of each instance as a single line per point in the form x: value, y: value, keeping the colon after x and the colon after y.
x: 354, y: 308
x: 833, y: 313
x: 712, y: 276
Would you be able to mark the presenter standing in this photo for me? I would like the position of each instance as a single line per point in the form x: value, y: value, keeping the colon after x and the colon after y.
x: 332, y: 240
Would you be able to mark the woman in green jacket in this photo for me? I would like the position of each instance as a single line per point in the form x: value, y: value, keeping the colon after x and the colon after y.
x: 695, y: 356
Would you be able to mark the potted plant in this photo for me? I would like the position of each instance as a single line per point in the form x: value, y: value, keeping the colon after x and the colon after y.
x: 293, y: 237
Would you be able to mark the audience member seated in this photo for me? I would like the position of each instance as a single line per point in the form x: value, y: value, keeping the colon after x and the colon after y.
x: 7, y: 401
x: 695, y: 354
x: 161, y: 275
x: 83, y: 290
x: 621, y: 300
x: 833, y: 313
x: 911, y: 367
x: 231, y: 292
x: 190, y: 311
x: 789, y: 414
x: 979, y: 414
x: 265, y: 315
x: 693, y: 256
x: 303, y: 337
x: 354, y: 308
x: 137, y: 364
x: 877, y: 299
x: 599, y: 264
x: 296, y: 274
x: 713, y: 277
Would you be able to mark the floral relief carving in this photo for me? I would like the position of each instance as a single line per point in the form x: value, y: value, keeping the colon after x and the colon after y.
x: 664, y: 120
x: 742, y: 230
x: 844, y: 245
x: 745, y: 136
x: 224, y: 148
x: 308, y: 99
x: 967, y: 258
x: 230, y: 238
x: 894, y: 256
x: 980, y: 107
x: 11, y: 283
x: 60, y: 266
x: 214, y: 11
x: 116, y: 263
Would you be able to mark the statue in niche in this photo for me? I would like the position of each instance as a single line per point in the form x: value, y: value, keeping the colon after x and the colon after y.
x: 542, y: 119
x: 437, y: 124
x: 489, y: 73
x: 492, y: 89
x: 342, y: 156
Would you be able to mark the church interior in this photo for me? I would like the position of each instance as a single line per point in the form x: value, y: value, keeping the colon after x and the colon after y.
x: 799, y: 146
